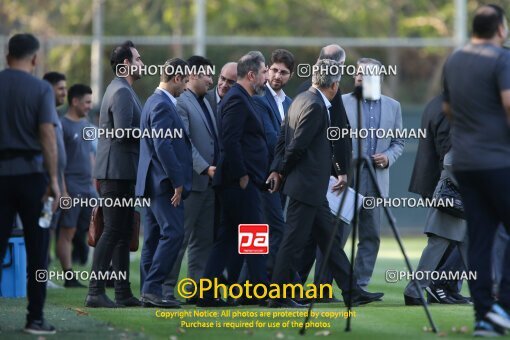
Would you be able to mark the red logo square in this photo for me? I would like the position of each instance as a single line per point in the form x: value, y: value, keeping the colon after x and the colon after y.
x: 253, y: 239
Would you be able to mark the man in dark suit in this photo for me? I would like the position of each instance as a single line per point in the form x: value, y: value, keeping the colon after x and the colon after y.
x: 227, y: 78
x: 115, y: 170
x: 342, y: 156
x: 303, y: 160
x: 431, y: 150
x: 240, y: 174
x: 272, y: 108
x: 164, y: 175
x: 200, y: 123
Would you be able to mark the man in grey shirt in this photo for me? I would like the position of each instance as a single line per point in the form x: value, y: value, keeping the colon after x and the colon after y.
x: 59, y: 86
x: 477, y: 98
x: 78, y: 175
x: 27, y: 149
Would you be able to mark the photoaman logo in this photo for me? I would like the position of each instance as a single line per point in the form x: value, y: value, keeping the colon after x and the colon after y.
x: 253, y: 239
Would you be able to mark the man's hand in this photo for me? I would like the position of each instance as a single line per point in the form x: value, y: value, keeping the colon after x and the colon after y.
x: 53, y: 190
x: 176, y: 198
x: 243, y: 182
x: 211, y: 170
x: 380, y: 160
x: 340, y: 185
x: 276, y: 179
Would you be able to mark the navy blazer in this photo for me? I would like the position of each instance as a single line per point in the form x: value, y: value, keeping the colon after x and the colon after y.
x: 243, y: 147
x: 165, y: 163
x: 270, y: 115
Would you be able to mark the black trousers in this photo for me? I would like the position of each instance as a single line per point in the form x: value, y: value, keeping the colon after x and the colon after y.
x: 238, y: 206
x: 311, y: 253
x: 22, y: 195
x: 486, y: 198
x: 113, y: 245
x: 304, y: 220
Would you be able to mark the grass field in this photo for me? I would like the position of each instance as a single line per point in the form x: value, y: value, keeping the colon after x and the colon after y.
x: 388, y: 319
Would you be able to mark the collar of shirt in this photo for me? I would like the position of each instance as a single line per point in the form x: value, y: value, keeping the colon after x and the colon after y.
x: 326, y: 101
x: 277, y: 96
x: 199, y: 99
x: 218, y: 98
x: 172, y: 98
x: 369, y: 101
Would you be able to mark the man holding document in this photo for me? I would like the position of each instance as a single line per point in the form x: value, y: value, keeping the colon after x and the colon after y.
x: 303, y: 159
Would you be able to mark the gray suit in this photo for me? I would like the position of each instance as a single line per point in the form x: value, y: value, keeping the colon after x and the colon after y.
x: 120, y: 109
x: 370, y: 219
x: 211, y: 97
x: 442, y: 230
x: 199, y: 206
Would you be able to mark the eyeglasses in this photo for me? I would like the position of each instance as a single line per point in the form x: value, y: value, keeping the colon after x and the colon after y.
x: 230, y: 82
x: 283, y: 73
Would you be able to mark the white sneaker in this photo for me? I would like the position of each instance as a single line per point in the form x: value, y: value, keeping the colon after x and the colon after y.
x: 52, y: 285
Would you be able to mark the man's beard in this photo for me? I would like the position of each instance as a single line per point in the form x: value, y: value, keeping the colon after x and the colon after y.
x: 259, y: 89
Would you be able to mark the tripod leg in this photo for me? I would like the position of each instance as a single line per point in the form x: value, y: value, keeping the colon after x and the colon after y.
x: 391, y: 220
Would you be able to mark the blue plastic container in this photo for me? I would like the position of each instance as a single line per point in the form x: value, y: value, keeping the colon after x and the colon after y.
x: 14, y: 269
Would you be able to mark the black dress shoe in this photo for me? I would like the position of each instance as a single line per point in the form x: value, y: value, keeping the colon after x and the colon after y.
x: 412, y: 301
x: 361, y: 297
x: 244, y: 301
x: 209, y: 302
x: 192, y: 301
x: 100, y: 301
x: 459, y: 299
x: 129, y: 302
x: 303, y: 301
x: 151, y: 300
x: 285, y: 303
x: 328, y: 300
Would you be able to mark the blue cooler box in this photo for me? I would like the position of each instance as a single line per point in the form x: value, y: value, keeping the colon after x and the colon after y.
x: 14, y: 269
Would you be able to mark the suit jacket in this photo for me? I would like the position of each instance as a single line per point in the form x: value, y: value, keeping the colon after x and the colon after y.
x: 270, y: 116
x: 304, y: 152
x: 431, y: 150
x: 211, y: 98
x: 165, y: 163
x: 243, y: 147
x: 342, y: 156
x: 117, y: 158
x: 202, y: 137
x: 391, y: 119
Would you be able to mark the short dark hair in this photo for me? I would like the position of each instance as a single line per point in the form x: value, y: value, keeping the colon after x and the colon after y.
x: 77, y: 91
x: 199, y: 62
x: 23, y: 45
x: 120, y: 53
x: 249, y: 62
x: 487, y: 20
x: 173, y: 67
x: 54, y: 77
x: 283, y: 56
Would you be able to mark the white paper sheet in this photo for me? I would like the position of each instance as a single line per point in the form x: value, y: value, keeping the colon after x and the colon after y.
x: 334, y: 200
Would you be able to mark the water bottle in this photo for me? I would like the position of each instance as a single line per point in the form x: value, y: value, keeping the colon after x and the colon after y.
x: 46, y: 213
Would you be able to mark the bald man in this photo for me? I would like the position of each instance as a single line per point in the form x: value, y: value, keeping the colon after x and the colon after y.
x: 227, y: 78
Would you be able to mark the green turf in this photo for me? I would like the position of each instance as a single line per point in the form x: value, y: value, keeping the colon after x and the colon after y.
x: 388, y: 319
